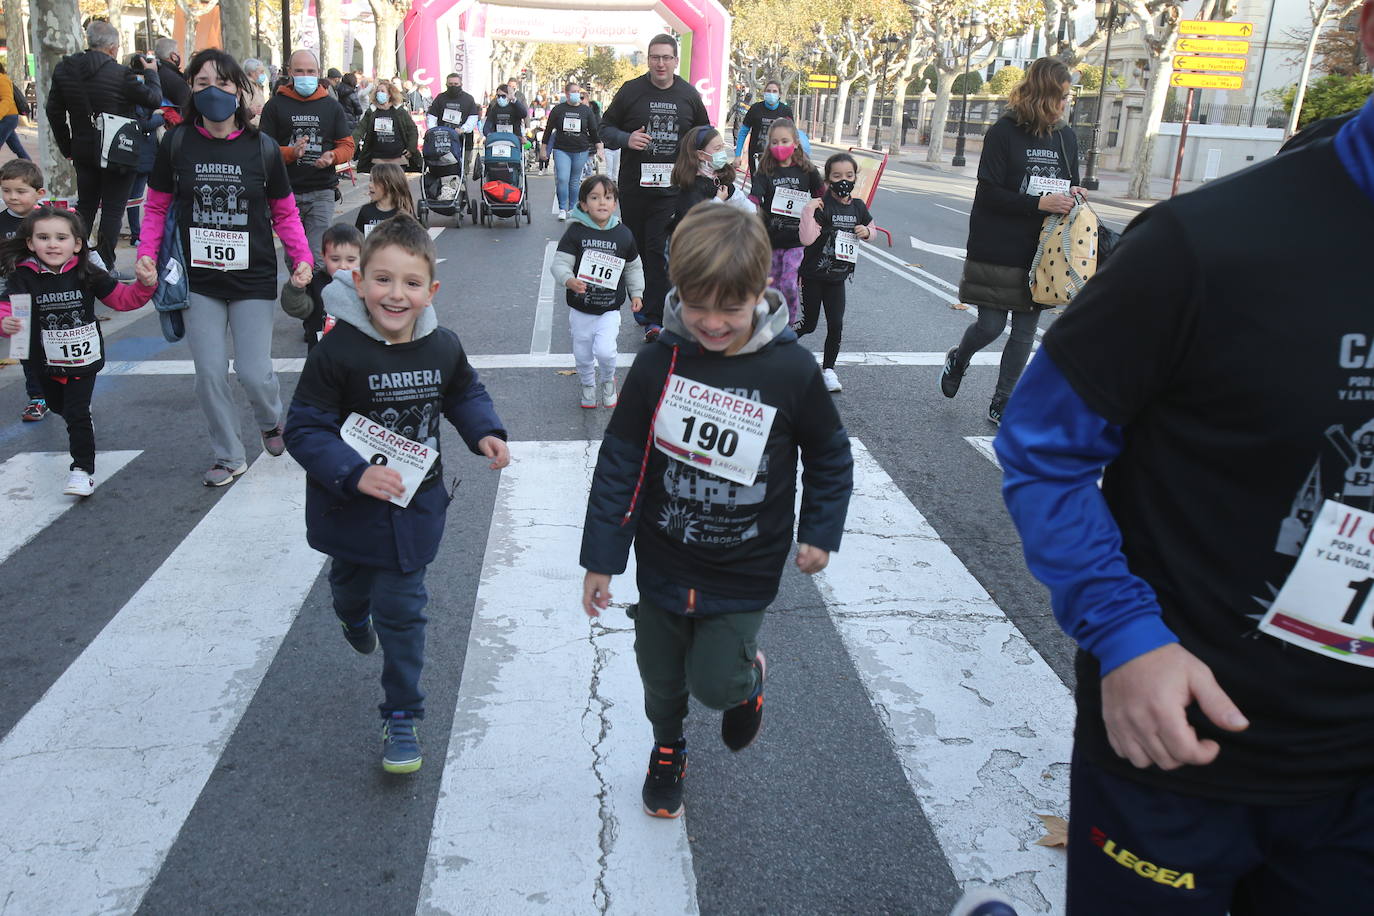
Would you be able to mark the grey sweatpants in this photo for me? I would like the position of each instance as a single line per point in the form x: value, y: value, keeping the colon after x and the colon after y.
x: 317, y: 215
x: 208, y: 325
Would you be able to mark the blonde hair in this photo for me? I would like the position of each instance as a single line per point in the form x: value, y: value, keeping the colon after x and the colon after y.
x: 392, y: 180
x: 719, y: 255
x: 1035, y: 102
x: 393, y: 92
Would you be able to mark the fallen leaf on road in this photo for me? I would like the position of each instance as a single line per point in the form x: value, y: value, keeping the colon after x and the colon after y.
x: 9, y: 362
x: 959, y: 306
x: 1056, y: 831
x: 567, y: 371
x: 913, y: 264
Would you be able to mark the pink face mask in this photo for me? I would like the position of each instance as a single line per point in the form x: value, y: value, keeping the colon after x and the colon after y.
x: 782, y: 153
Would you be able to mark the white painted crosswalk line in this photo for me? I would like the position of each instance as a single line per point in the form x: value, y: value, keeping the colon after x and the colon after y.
x: 98, y: 777
x: 31, y: 495
x: 984, y: 446
x: 981, y: 724
x: 539, y: 806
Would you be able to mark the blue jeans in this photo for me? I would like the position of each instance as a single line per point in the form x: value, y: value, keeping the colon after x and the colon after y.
x: 396, y: 601
x: 567, y: 168
x: 8, y: 124
x: 134, y: 215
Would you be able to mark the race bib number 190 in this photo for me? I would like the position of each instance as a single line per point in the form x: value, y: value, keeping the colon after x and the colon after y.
x: 711, y: 429
x: 1324, y: 605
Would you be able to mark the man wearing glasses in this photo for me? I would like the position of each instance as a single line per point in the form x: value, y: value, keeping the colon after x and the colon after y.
x: 646, y: 119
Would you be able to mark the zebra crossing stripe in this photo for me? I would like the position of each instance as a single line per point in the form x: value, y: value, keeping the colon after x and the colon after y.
x: 31, y: 498
x: 98, y: 777
x: 549, y: 742
x: 983, y: 444
x: 980, y: 723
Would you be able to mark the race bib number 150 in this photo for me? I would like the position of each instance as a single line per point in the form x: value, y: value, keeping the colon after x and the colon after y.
x: 709, y: 428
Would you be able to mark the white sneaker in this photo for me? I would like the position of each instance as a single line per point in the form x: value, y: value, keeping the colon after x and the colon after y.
x: 609, y: 398
x: 832, y: 381
x: 79, y: 483
x: 562, y: 216
x: 589, y: 396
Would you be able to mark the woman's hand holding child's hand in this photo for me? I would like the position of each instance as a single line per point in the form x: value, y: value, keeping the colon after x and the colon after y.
x: 146, y: 272
x: 300, y: 277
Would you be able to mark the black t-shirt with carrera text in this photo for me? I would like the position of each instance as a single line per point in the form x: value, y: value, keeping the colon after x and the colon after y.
x: 63, y: 322
x: 666, y: 114
x: 834, y: 217
x: 616, y: 242
x: 782, y: 212
x: 1238, y: 355
x: 369, y: 215
x: 321, y: 122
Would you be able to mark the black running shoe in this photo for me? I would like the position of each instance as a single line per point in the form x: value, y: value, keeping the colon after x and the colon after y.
x: 662, y: 793
x: 651, y: 333
x: 740, y: 725
x: 952, y: 375
x: 995, y: 410
x: 361, y: 636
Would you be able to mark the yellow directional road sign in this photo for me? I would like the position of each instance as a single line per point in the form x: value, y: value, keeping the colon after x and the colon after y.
x: 1212, y: 46
x: 1210, y: 64
x: 1208, y: 27
x: 822, y: 82
x: 1205, y: 81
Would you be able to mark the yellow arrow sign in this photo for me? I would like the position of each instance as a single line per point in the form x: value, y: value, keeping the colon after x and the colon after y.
x: 1212, y: 46
x: 1205, y: 81
x: 1208, y: 27
x: 1210, y: 64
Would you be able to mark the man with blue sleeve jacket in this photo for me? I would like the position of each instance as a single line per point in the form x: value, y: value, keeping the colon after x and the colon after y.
x: 1224, y: 747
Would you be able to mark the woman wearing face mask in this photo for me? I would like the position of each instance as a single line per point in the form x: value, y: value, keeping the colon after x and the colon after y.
x: 504, y: 114
x: 387, y: 133
x: 757, y: 120
x: 256, y: 72
x: 704, y: 172
x: 230, y: 187
x: 574, y: 128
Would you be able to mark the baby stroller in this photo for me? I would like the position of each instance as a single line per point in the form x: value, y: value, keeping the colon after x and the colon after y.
x: 443, y: 186
x: 504, y: 195
x: 532, y: 144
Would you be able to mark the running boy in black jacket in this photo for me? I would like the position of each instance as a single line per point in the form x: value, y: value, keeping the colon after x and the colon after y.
x: 698, y: 469
x: 364, y: 424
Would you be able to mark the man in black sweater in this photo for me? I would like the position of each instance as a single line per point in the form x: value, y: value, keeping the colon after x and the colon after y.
x: 85, y: 85
x: 174, y: 86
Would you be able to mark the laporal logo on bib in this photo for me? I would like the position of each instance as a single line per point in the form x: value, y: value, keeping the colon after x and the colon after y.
x: 1127, y: 859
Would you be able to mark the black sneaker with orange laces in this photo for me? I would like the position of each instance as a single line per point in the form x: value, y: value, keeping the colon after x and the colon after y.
x: 740, y: 725
x: 662, y: 793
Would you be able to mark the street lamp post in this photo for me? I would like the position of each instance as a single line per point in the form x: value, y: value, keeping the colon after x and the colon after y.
x: 890, y: 43
x: 968, y: 30
x: 1103, y: 10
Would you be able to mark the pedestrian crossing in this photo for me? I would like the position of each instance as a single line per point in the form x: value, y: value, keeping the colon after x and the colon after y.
x: 538, y: 804
x: 32, y: 489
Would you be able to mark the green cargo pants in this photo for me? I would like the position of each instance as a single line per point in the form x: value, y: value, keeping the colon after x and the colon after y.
x: 712, y: 658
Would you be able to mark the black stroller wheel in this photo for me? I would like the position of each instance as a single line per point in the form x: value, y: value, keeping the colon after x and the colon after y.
x: 422, y: 211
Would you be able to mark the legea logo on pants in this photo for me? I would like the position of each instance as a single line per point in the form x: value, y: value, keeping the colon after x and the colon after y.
x: 1127, y: 859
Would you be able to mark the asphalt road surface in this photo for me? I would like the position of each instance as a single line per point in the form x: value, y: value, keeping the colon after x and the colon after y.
x: 186, y: 732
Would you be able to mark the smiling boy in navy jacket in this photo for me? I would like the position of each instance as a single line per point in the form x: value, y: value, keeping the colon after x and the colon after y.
x: 698, y: 468
x: 364, y: 423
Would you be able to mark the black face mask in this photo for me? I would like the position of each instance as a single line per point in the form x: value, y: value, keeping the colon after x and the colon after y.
x: 454, y: 90
x: 842, y: 188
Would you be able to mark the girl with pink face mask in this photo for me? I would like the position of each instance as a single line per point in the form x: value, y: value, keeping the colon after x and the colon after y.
x: 782, y: 188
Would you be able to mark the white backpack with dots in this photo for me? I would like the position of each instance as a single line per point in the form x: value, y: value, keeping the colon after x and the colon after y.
x: 1067, y: 256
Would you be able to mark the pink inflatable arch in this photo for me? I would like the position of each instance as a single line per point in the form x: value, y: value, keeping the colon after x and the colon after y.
x: 704, y: 25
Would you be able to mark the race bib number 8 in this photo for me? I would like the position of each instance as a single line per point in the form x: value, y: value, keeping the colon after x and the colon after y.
x: 600, y: 268
x: 711, y: 429
x: 789, y: 202
x: 1324, y: 605
x: 219, y: 249
x: 381, y: 446
x: 655, y: 174
x: 72, y: 348
x: 846, y: 247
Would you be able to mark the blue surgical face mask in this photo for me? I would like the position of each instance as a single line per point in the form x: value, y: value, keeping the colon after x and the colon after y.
x: 502, y: 101
x: 305, y: 86
x: 770, y: 99
x: 720, y: 159
x: 383, y: 97
x: 574, y: 98
x: 215, y: 104
x: 262, y: 79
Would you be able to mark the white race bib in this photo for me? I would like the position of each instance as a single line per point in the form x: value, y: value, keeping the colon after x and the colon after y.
x: 572, y: 124
x: 655, y: 174
x: 1040, y: 186
x: 382, y: 125
x: 846, y: 247
x: 219, y: 249
x: 721, y: 433
x: 1324, y: 605
x: 600, y: 268
x: 379, y: 445
x: 21, y: 307
x: 452, y: 116
x: 72, y: 348
x: 789, y: 202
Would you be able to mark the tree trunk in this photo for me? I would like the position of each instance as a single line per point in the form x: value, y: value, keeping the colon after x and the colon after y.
x: 1306, y: 72
x: 899, y: 97
x: 384, y: 55
x: 57, y: 33
x: 1152, y: 114
x: 841, y: 99
x: 236, y: 28
x: 17, y: 59
x: 939, y: 116
x: 866, y: 119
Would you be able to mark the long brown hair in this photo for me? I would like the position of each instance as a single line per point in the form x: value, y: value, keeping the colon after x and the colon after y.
x: 392, y: 180
x: 799, y: 159
x: 685, y: 170
x: 1035, y: 101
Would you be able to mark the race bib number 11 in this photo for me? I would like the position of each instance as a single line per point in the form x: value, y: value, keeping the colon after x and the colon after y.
x: 1324, y: 605
x: 655, y: 174
x: 709, y: 428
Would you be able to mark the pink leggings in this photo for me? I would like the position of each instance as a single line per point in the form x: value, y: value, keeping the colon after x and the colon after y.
x: 786, y: 263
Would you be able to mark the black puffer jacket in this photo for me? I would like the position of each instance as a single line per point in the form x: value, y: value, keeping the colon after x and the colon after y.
x: 174, y: 86
x: 90, y: 83
x: 351, y: 104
